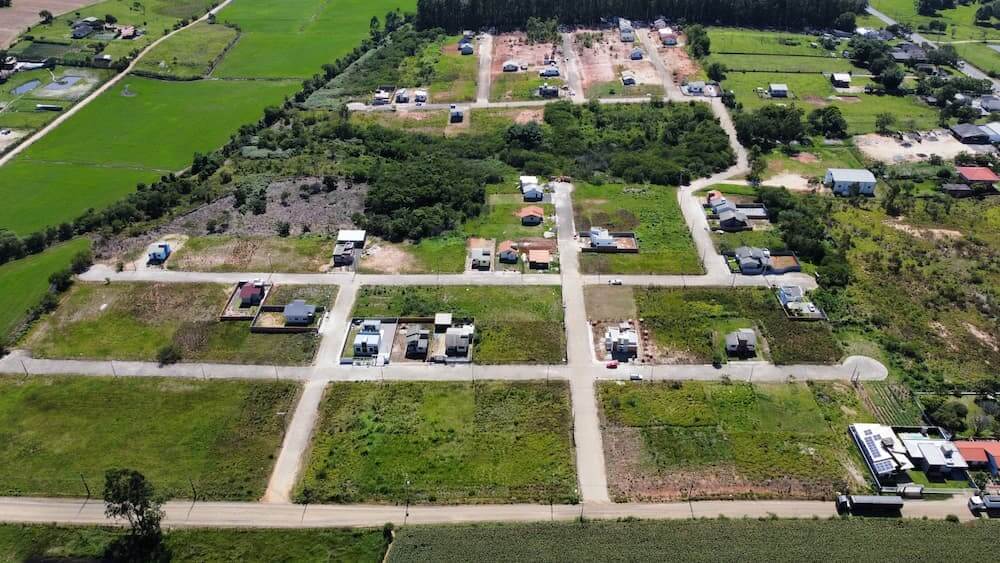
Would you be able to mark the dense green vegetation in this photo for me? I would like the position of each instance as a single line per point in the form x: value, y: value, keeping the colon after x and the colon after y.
x: 222, y: 435
x: 443, y: 443
x: 40, y: 542
x: 696, y: 540
x: 713, y: 440
x: 530, y: 332
x: 693, y: 322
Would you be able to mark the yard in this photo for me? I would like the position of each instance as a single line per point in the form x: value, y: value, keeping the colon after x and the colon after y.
x: 960, y: 20
x: 448, y: 443
x: 221, y: 435
x: 653, y: 212
x: 673, y: 441
x: 751, y: 41
x: 190, y: 54
x: 134, y: 321
x: 253, y: 254
x: 452, y: 76
x: 522, y: 85
x: 514, y: 325
x: 443, y: 254
x: 688, y: 325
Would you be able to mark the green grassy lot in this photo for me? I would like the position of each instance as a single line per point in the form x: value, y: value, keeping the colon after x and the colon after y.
x: 811, y: 91
x: 132, y: 321
x: 728, y: 439
x: 295, y: 38
x: 783, y: 63
x: 521, y: 85
x: 444, y: 255
x: 42, y: 542
x: 615, y: 89
x: 189, y: 54
x: 483, y: 121
x: 530, y: 332
x: 222, y: 435
x: 751, y: 41
x: 685, y: 322
x: 814, y: 160
x: 453, y: 76
x: 960, y: 20
x: 430, y: 122
x: 253, y: 254
x: 98, y: 155
x: 979, y: 55
x: 24, y: 282
x: 843, y: 540
x: 452, y: 442
x: 665, y: 245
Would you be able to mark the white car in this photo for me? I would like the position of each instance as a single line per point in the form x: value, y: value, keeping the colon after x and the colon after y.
x: 614, y: 281
x: 635, y: 377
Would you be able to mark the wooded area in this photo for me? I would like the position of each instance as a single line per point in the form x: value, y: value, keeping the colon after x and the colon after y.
x: 473, y: 14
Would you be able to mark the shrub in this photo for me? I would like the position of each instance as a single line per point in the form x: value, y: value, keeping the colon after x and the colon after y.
x: 169, y: 354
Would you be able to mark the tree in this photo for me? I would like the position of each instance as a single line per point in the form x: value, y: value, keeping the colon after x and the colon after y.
x: 951, y: 415
x: 891, y: 77
x: 283, y: 228
x: 828, y: 121
x: 110, y: 19
x: 699, y: 44
x: 943, y: 55
x: 46, y: 16
x: 717, y: 71
x: 129, y: 496
x: 884, y: 122
x: 61, y: 280
x: 845, y: 22
x: 81, y: 261
x: 526, y: 136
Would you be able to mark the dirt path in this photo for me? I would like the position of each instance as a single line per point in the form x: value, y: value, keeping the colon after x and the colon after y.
x: 485, y: 66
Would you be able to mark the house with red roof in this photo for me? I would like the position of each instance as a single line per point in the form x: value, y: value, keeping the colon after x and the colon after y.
x: 981, y: 454
x: 977, y: 175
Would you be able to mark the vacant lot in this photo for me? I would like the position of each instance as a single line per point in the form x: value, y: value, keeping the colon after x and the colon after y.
x: 99, y: 155
x: 960, y: 20
x: 37, y: 542
x: 133, y: 321
x: 690, y: 325
x: 295, y: 38
x: 190, y: 54
x: 603, y: 58
x: 452, y: 76
x: 444, y: 254
x: 980, y: 55
x: 750, y: 41
x: 253, y: 254
x: 443, y: 443
x: 783, y: 63
x: 24, y: 281
x: 222, y: 435
x: 513, y: 324
x: 523, y: 84
x: 665, y: 245
x: 845, y: 540
x: 670, y: 441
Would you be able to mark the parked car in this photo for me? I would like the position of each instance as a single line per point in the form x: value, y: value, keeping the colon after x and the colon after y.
x: 613, y: 364
x: 614, y: 281
x: 635, y: 377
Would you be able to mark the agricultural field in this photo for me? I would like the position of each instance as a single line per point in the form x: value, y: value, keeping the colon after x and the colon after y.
x: 980, y: 55
x: 190, y: 54
x: 842, y: 540
x: 24, y: 282
x: 295, y: 38
x: 431, y: 122
x: 739, y: 41
x: 221, y: 253
x: 33, y: 542
x: 811, y: 91
x: 61, y: 87
x: 479, y: 442
x: 960, y: 20
x: 531, y: 332
x: 695, y: 440
x: 134, y: 321
x: 690, y: 325
x: 99, y: 155
x: 892, y: 403
x: 222, y: 435
x: 653, y: 212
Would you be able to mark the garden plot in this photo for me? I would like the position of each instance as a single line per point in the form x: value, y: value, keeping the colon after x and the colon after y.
x: 693, y: 440
x: 522, y: 84
x: 603, y: 59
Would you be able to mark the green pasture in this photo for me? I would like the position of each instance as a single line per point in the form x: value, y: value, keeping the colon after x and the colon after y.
x: 189, y: 54
x: 521, y: 85
x: 751, y: 41
x: 783, y: 63
x: 979, y: 55
x: 960, y: 20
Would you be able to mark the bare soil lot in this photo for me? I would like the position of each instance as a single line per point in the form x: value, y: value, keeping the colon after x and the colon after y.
x: 515, y: 46
x: 890, y: 150
x: 606, y: 58
x: 24, y: 13
x: 10, y: 137
x: 676, y: 59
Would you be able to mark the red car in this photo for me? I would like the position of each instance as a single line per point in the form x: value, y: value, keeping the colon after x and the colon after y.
x: 613, y: 364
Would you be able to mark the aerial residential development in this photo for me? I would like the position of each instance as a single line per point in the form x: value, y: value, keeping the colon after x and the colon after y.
x: 439, y: 281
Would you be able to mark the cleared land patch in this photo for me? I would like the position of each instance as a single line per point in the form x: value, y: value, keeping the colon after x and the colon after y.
x: 443, y: 443
x: 249, y: 254
x: 513, y: 324
x: 670, y: 441
x: 190, y: 54
x: 220, y: 434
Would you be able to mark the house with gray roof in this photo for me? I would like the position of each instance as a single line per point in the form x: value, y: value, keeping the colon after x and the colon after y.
x: 742, y: 343
x: 298, y: 313
x: 732, y: 220
x: 752, y: 260
x: 845, y: 181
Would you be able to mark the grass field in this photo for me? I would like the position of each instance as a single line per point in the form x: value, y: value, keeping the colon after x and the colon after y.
x: 133, y: 321
x: 431, y: 122
x: 750, y: 41
x: 529, y: 332
x: 699, y: 440
x: 220, y: 434
x: 45, y: 542
x: 189, y: 54
x: 514, y: 86
x: 615, y: 89
x: 782, y: 63
x: 453, y: 75
x: 841, y: 540
x: 24, y: 282
x: 814, y: 160
x: 295, y: 38
x: 960, y: 20
x: 691, y: 324
x: 811, y: 91
x: 665, y: 244
x: 99, y: 154
x: 979, y: 55
x: 452, y: 442
x: 253, y: 254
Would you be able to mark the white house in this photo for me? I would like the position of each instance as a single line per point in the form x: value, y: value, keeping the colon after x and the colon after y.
x: 843, y: 180
x: 668, y: 37
x: 790, y: 294
x: 621, y: 340
x: 883, y: 451
x: 601, y: 238
x: 530, y: 190
x: 369, y: 338
x: 628, y: 78
x: 420, y: 96
x: 458, y: 340
x: 511, y: 66
x: 841, y: 79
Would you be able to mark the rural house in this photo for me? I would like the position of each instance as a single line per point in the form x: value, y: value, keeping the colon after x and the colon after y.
x: 442, y: 321
x: 883, y: 451
x: 402, y: 96
x: 548, y: 91
x: 466, y: 49
x: 908, y: 53
x: 298, y: 312
x: 455, y: 115
x: 251, y: 293
x: 957, y: 190
x: 420, y: 96
x: 752, y: 260
x: 621, y: 341
x: 506, y: 252
x: 847, y: 181
x: 668, y: 37
x: 530, y: 190
x: 636, y: 54
x: 601, y: 238
x: 510, y: 66
x: 458, y: 340
x: 481, y: 258
x: 982, y: 455
x: 549, y: 72
x: 778, y: 90
x: 992, y: 130
x: 625, y: 30
x: 977, y: 176
x: 417, y: 343
x: 790, y: 294
x: 970, y: 134
x: 628, y: 78
x: 531, y: 215
x: 742, y: 343
x: 161, y: 251
x: 369, y: 338
x: 990, y: 103
x: 696, y: 88
x: 841, y: 79
x: 539, y: 259
x: 732, y: 220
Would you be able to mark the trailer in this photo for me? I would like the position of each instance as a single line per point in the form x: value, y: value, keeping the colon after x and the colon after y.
x: 887, y: 505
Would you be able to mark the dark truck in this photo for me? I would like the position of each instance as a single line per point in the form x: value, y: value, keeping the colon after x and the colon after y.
x: 870, y: 505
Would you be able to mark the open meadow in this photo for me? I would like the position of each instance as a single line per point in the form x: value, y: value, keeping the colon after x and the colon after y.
x: 222, y: 435
x: 514, y: 325
x: 693, y: 440
x: 980, y: 55
x: 479, y: 442
x: 960, y: 20
x: 190, y: 54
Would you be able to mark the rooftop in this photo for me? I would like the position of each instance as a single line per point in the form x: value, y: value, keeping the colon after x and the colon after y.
x: 531, y: 210
x: 540, y: 256
x: 976, y: 451
x: 977, y: 174
x: 859, y: 175
x: 350, y: 235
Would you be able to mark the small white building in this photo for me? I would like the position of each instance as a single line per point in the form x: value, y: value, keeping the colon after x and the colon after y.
x: 668, y: 37
x: 530, y: 190
x: 844, y: 180
x: 621, y: 340
x: 420, y: 96
x: 628, y: 78
x: 790, y: 294
x: 601, y: 238
x: 841, y: 79
x: 355, y: 236
x: 368, y: 339
x: 458, y: 340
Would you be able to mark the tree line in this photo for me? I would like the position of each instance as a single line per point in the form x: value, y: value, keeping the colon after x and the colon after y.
x: 504, y: 14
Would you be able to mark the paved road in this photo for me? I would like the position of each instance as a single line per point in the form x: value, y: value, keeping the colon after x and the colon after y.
x: 103, y: 88
x: 485, y: 63
x: 261, y: 515
x: 967, y: 69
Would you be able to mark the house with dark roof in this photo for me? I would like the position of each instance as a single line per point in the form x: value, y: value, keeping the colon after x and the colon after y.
x: 742, y: 343
x: 752, y: 260
x: 908, y: 53
x: 957, y: 190
x: 417, y: 343
x: 251, y: 294
x: 733, y: 220
x: 846, y: 181
x: 299, y: 313
x: 507, y: 253
x: 970, y: 134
